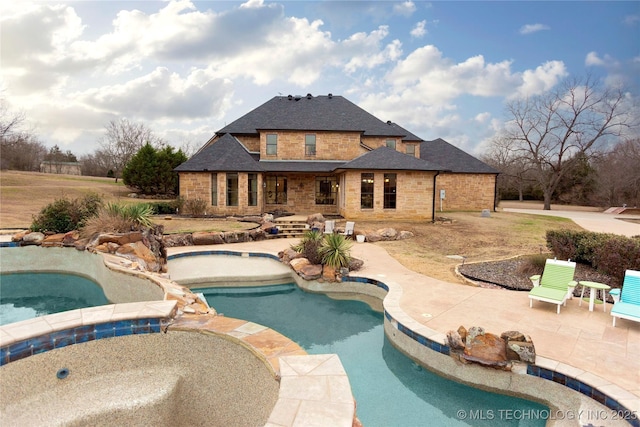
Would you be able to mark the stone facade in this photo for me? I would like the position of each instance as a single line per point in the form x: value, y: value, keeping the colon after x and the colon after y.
x: 466, y: 192
x: 414, y: 196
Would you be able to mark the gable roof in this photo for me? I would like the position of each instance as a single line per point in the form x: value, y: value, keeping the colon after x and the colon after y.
x: 314, y: 113
x: 226, y: 154
x: 452, y: 158
x: 385, y: 158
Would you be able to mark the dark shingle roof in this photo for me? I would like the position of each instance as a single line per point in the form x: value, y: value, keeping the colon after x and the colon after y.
x: 299, y: 166
x: 452, y: 158
x: 385, y: 158
x: 226, y: 154
x: 314, y: 113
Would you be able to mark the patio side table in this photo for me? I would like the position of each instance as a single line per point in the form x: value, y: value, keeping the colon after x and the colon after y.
x: 594, y: 287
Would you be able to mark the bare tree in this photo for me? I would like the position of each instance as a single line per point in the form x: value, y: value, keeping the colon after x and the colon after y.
x: 122, y: 140
x: 515, y: 171
x: 619, y: 174
x: 578, y: 117
x: 20, y: 148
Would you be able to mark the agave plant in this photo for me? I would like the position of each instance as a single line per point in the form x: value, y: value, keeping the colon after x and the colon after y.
x: 139, y: 213
x: 334, y: 251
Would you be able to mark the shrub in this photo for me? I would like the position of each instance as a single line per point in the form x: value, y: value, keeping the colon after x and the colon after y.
x: 309, y: 246
x: 616, y: 255
x: 335, y: 251
x: 195, y: 207
x: 118, y: 218
x: 162, y: 208
x: 65, y: 215
x: 533, y: 265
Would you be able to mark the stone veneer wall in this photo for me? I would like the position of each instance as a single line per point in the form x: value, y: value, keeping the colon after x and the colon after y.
x: 466, y: 191
x: 414, y: 196
x: 301, y: 196
x: 329, y: 146
x: 194, y: 185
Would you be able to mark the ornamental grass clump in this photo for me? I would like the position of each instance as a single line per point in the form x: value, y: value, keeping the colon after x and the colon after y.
x: 119, y: 218
x: 335, y: 251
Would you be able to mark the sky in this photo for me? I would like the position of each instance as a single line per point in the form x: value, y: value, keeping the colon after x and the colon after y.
x: 440, y: 69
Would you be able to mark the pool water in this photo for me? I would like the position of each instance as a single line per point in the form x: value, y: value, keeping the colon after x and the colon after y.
x: 27, y: 295
x: 390, y: 389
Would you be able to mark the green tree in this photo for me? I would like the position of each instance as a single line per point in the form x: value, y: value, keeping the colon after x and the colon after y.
x: 150, y: 170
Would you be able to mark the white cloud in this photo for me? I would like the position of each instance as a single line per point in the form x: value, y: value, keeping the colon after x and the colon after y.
x: 593, y: 59
x: 482, y: 117
x: 533, y: 28
x: 420, y: 29
x: 631, y: 19
x: 406, y: 8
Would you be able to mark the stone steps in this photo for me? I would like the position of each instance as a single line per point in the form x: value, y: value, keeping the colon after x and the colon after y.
x: 290, y: 227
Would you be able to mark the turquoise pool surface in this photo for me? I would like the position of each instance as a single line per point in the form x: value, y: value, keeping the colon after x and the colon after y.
x: 390, y: 389
x: 27, y: 295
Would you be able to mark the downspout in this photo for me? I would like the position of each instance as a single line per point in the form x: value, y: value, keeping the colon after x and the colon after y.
x: 433, y: 204
x: 495, y: 193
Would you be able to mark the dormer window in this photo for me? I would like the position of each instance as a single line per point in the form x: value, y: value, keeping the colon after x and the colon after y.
x: 309, y: 145
x: 391, y: 143
x: 411, y: 149
x: 272, y: 144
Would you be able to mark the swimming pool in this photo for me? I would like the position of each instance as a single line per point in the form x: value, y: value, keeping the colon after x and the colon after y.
x: 27, y: 295
x: 390, y: 389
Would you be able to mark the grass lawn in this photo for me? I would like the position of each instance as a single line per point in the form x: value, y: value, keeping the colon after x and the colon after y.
x: 468, y: 234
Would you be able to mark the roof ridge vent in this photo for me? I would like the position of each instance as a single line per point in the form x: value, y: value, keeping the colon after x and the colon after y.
x: 330, y: 95
x: 290, y: 97
x: 309, y: 96
x: 298, y: 97
x: 389, y: 122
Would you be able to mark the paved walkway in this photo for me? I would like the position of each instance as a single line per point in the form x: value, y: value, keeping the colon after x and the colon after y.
x: 594, y: 221
x: 576, y: 337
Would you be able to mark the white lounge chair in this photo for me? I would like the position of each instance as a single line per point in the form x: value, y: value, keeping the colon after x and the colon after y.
x: 329, y: 226
x: 348, y: 229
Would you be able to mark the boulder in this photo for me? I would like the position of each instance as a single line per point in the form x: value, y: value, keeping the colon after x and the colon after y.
x: 288, y: 254
x: 512, y: 336
x: 310, y: 272
x: 20, y: 235
x: 486, y: 349
x: 455, y: 341
x: 462, y: 331
x: 373, y: 237
x: 387, y: 233
x: 120, y: 238
x: 70, y: 238
x: 33, y: 238
x: 257, y: 234
x: 173, y: 240
x: 138, y: 252
x: 472, y: 333
x: 207, y: 238
x: 230, y: 237
x: 298, y: 263
x: 316, y: 217
x: 404, y: 235
x: 355, y: 264
x: 522, y: 351
x: 329, y: 273
x: 267, y: 217
x: 53, y: 240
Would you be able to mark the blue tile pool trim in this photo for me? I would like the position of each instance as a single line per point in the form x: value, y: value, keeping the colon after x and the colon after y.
x: 532, y: 370
x: 9, y: 245
x: 58, y: 339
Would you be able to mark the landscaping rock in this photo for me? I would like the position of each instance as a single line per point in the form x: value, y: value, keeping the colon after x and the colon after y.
x: 288, y: 254
x: 298, y: 263
x: 522, y: 351
x: 455, y: 341
x: 355, y: 264
x: 173, y: 240
x: 329, y: 273
x: 472, y: 333
x: 207, y: 238
x: 311, y: 272
x: 140, y: 253
x: 512, y: 336
x: 33, y: 238
x: 373, y: 237
x: 316, y: 217
x: 120, y: 238
x: 388, y: 233
x: 20, y: 235
x: 404, y: 235
x: 486, y: 349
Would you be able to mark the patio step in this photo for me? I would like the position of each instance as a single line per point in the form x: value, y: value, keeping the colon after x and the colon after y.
x: 290, y: 227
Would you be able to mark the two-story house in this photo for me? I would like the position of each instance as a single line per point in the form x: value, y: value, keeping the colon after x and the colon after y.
x: 308, y: 154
